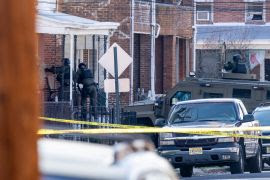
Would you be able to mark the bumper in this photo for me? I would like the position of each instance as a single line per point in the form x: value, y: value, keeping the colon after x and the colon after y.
x: 224, y: 153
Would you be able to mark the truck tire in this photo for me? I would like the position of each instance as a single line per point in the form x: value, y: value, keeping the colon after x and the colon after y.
x: 255, y: 163
x: 186, y: 171
x: 239, y: 166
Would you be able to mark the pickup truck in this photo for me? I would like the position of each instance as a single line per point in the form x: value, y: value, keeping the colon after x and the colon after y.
x: 185, y: 151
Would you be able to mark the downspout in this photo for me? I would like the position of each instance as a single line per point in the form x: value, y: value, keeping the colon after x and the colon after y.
x: 107, y: 73
x: 132, y: 51
x: 194, y: 38
x: 71, y: 68
x: 153, y: 37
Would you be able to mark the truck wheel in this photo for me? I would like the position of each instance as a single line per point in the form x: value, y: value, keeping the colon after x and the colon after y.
x: 238, y: 167
x: 255, y: 163
x: 186, y: 171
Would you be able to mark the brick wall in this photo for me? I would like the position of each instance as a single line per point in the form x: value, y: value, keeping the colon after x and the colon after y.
x: 174, y: 20
x: 169, y: 76
x: 229, y: 12
x: 267, y: 13
x: 159, y: 64
x: 233, y: 11
x: 50, y: 54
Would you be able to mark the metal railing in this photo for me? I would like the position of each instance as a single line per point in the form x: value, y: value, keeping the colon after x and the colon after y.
x: 63, y: 110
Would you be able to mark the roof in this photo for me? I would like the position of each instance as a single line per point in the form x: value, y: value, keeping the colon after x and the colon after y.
x: 212, y: 100
x: 51, y: 22
x: 226, y: 81
x: 262, y: 108
x: 241, y: 34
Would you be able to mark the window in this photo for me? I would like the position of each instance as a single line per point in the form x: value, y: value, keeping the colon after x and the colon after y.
x: 268, y: 95
x: 212, y: 95
x: 203, y: 112
x: 263, y: 117
x: 180, y: 96
x: 204, y: 12
x: 242, y: 93
x: 254, y: 11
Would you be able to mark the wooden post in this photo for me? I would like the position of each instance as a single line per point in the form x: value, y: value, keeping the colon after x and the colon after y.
x: 19, y: 108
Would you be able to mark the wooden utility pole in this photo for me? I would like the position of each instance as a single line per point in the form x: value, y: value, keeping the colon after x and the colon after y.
x: 19, y: 106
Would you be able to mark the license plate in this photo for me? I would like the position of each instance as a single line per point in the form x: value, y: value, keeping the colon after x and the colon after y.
x: 194, y: 151
x: 267, y: 150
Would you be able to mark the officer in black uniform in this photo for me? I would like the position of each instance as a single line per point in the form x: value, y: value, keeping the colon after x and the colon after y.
x: 236, y: 66
x: 63, y: 77
x: 85, y: 77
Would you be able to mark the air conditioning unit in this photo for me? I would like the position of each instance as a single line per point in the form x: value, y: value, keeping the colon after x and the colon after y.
x: 251, y: 16
x: 203, y: 15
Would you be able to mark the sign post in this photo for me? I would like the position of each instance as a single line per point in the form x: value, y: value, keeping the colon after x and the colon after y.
x: 117, y: 107
x: 116, y: 61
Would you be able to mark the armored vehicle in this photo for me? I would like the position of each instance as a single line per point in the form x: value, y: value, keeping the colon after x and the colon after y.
x: 251, y: 92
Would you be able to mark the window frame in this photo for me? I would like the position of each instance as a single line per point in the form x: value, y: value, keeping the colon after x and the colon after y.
x: 210, y: 12
x: 246, y: 11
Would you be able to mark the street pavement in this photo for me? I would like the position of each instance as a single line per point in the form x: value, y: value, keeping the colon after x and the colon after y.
x: 217, y: 173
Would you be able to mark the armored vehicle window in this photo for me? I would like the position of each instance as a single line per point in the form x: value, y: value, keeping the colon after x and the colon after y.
x: 180, y: 96
x: 268, y: 95
x: 241, y: 93
x: 212, y: 95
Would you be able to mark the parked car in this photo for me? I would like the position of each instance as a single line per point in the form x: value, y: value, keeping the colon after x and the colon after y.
x: 62, y: 160
x: 185, y: 151
x: 262, y: 114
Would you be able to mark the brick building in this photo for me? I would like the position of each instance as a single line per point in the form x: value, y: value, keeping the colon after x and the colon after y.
x: 224, y: 28
x: 79, y: 39
x: 173, y: 45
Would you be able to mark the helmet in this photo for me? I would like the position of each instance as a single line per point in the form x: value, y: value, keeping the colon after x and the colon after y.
x: 236, y: 58
x: 82, y: 66
x: 66, y: 61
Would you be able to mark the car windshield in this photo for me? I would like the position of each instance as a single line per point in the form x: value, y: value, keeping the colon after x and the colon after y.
x: 202, y: 112
x: 263, y: 117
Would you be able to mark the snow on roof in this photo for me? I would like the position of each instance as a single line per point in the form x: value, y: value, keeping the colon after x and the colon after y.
x: 60, y: 23
x: 251, y: 34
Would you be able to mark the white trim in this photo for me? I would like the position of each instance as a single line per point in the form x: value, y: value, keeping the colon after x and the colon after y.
x: 49, y: 24
x: 254, y: 0
x: 198, y: 1
x: 232, y: 24
x: 208, y: 15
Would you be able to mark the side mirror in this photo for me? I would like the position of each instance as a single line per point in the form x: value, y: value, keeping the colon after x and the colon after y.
x: 160, y: 122
x: 248, y: 118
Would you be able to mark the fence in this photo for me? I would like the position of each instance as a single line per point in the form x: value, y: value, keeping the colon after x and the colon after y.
x: 64, y: 110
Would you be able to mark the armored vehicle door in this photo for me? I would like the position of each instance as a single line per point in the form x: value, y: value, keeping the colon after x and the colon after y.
x: 182, y: 93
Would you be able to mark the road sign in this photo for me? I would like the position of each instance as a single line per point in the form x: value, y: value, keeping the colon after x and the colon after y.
x: 109, y: 85
x: 107, y: 60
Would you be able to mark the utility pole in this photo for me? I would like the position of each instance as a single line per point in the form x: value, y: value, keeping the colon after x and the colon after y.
x: 19, y: 106
x: 153, y: 42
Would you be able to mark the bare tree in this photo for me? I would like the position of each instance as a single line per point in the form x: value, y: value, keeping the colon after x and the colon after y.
x: 219, y: 44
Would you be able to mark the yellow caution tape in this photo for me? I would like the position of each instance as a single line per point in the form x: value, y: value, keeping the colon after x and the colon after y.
x: 129, y: 129
x: 90, y: 123
x: 206, y: 131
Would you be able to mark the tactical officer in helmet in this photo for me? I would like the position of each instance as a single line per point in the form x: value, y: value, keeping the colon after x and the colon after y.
x: 85, y: 77
x: 63, y: 77
x: 236, y: 66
